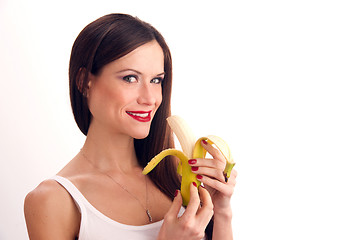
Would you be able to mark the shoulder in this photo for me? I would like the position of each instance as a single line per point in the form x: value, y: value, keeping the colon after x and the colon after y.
x: 48, y: 193
x: 50, y: 211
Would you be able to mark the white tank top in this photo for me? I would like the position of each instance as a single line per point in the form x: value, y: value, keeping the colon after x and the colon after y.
x: 96, y: 226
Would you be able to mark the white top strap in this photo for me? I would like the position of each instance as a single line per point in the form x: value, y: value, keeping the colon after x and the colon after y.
x: 79, y: 199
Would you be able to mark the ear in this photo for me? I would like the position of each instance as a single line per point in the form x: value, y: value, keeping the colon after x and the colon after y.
x: 83, y: 81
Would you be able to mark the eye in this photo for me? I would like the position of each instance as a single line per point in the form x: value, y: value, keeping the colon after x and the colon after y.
x: 130, y: 78
x: 157, y: 80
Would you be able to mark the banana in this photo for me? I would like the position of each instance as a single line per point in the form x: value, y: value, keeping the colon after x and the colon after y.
x: 191, y: 148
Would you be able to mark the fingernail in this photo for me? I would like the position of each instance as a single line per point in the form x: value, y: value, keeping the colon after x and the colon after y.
x: 202, y: 186
x: 199, y: 177
x: 194, y: 183
x: 176, y: 193
x: 204, y: 142
x: 194, y: 168
x: 192, y: 161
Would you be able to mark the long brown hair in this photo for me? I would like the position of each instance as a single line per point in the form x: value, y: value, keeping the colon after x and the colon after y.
x: 103, y: 41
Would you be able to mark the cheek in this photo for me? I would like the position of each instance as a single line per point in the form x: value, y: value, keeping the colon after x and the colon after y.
x: 108, y: 99
x: 159, y: 98
x: 120, y: 99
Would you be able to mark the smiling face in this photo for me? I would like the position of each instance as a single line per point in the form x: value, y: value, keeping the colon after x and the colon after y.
x: 125, y: 95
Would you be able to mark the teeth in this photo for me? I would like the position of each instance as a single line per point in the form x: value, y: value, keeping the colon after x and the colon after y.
x: 143, y: 115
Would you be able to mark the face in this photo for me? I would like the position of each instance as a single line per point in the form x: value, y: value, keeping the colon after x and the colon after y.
x: 125, y: 95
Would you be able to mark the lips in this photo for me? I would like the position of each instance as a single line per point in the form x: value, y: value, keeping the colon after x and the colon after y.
x: 141, y: 116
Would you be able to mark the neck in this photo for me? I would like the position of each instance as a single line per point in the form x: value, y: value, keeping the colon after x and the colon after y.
x: 110, y: 151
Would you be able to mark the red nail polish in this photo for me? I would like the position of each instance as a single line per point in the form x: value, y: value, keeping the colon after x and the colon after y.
x: 199, y: 177
x: 176, y: 193
x: 204, y: 142
x: 194, y: 183
x: 194, y: 168
x: 192, y: 161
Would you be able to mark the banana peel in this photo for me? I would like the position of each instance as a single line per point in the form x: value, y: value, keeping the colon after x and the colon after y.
x: 192, y: 148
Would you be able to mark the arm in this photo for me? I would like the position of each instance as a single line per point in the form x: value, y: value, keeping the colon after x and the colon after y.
x: 222, y: 225
x: 222, y: 209
x: 50, y: 213
x: 210, y: 172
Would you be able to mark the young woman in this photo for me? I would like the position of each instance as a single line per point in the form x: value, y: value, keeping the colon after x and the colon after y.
x: 120, y: 85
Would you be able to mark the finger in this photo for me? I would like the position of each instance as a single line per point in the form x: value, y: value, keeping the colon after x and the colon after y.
x: 175, y: 206
x: 232, y: 178
x: 206, y: 211
x: 216, y: 153
x: 207, y: 162
x: 194, y: 202
x: 224, y: 188
x: 210, y: 172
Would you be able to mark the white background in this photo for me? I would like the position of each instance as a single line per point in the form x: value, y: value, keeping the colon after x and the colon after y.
x: 279, y: 80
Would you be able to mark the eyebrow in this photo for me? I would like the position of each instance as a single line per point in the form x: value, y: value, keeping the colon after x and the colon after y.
x: 133, y: 70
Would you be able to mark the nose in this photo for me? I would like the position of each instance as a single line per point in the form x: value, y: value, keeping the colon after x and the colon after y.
x: 147, y: 95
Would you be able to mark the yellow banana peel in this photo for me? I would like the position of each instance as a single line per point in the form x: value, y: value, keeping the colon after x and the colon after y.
x: 192, y: 148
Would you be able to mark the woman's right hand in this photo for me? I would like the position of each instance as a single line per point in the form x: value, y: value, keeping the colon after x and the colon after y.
x: 191, y: 225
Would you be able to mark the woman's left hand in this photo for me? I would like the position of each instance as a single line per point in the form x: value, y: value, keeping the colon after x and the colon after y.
x: 211, y: 173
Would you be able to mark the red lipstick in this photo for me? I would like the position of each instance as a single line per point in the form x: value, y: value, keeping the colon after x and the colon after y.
x: 141, y: 116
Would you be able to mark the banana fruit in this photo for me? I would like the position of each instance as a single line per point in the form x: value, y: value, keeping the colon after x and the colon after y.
x: 192, y: 148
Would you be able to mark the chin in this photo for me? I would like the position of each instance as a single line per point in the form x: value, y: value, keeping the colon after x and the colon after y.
x: 141, y: 135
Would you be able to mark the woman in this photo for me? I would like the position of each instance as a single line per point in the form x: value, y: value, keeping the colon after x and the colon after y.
x: 120, y: 85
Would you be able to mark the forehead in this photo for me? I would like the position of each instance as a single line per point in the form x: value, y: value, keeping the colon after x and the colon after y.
x: 148, y: 58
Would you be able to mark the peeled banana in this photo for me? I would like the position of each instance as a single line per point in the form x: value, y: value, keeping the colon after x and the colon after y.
x: 192, y: 148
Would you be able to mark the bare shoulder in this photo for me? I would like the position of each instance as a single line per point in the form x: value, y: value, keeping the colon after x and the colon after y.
x: 50, y: 212
x: 48, y: 193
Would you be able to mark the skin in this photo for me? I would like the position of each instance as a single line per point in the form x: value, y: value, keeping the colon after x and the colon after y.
x: 210, y: 173
x: 131, y: 83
